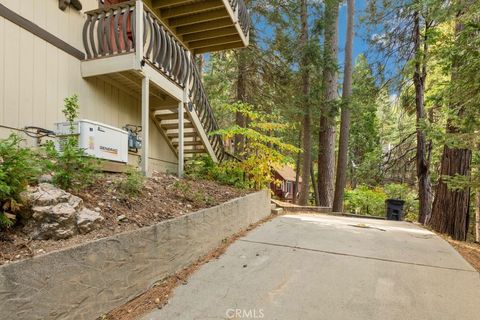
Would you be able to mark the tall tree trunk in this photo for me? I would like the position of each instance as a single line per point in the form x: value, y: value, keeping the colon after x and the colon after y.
x: 297, y: 179
x: 314, y: 184
x: 239, y: 140
x: 422, y: 164
x: 450, y: 212
x: 307, y: 139
x: 297, y: 169
x: 342, y: 164
x: 326, y: 146
x: 200, y: 62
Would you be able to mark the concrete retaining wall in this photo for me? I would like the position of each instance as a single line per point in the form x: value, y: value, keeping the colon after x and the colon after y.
x: 86, y: 281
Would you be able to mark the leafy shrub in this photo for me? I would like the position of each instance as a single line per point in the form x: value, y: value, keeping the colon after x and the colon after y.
x: 226, y: 173
x: 187, y: 192
x: 263, y: 148
x: 72, y: 168
x: 132, y: 184
x: 262, y: 151
x: 371, y: 201
x: 366, y: 201
x: 18, y: 168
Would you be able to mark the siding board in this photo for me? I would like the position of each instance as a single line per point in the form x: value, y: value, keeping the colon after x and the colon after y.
x: 25, y: 82
x: 52, y: 86
x: 40, y: 14
x: 2, y: 69
x: 11, y: 83
x: 26, y: 9
x: 35, y: 77
x: 62, y: 79
x: 39, y: 93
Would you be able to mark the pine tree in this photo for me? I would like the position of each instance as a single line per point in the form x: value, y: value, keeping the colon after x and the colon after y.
x: 341, y: 177
x: 306, y: 123
x: 326, y: 143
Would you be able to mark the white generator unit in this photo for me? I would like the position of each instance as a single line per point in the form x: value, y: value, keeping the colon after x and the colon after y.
x: 97, y: 139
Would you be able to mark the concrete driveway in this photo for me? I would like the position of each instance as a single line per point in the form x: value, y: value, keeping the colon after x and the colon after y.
x: 326, y: 267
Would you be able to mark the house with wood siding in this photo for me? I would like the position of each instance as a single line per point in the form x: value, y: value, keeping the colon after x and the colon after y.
x: 130, y: 63
x: 284, y: 186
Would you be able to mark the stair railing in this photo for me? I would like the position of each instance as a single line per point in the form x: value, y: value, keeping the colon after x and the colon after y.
x: 112, y: 30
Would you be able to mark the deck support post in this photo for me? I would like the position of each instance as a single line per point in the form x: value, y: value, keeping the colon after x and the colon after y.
x: 181, y: 139
x: 145, y: 124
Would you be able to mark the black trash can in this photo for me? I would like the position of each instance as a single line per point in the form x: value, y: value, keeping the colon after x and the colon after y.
x: 394, y: 209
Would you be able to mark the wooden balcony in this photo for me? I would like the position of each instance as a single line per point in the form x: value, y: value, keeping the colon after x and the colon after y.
x: 205, y: 25
x: 128, y: 46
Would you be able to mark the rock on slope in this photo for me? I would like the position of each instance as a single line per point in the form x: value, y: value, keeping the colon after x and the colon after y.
x: 53, y: 213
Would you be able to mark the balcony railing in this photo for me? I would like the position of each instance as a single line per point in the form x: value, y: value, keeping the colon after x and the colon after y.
x: 112, y: 31
x: 243, y: 15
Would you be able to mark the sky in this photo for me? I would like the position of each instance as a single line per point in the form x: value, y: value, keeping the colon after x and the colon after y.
x: 361, y: 33
x: 360, y: 44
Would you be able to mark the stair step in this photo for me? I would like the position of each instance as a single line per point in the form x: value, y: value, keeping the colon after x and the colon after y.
x: 276, y: 211
x: 168, y: 114
x: 186, y: 139
x: 188, y: 143
x: 194, y: 151
x: 273, y: 206
x: 173, y: 133
x: 174, y: 125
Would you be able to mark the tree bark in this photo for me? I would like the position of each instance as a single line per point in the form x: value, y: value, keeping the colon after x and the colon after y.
x: 314, y: 184
x: 297, y: 169
x: 200, y: 62
x: 239, y: 140
x: 422, y: 164
x: 450, y: 212
x: 326, y: 147
x: 307, y: 139
x: 342, y: 164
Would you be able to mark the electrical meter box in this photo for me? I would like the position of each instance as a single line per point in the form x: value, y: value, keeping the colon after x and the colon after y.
x: 97, y: 139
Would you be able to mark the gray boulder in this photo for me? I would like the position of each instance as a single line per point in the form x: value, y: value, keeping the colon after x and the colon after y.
x: 88, y: 220
x: 46, y: 194
x: 56, y: 214
x: 52, y: 222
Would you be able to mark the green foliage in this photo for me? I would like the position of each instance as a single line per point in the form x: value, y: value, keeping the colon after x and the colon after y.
x: 226, y: 173
x: 457, y: 52
x: 132, y: 184
x: 71, y: 167
x: 263, y: 149
x: 191, y: 194
x: 18, y: 167
x: 365, y: 153
x: 365, y: 200
x: 70, y: 110
x: 6, y: 221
